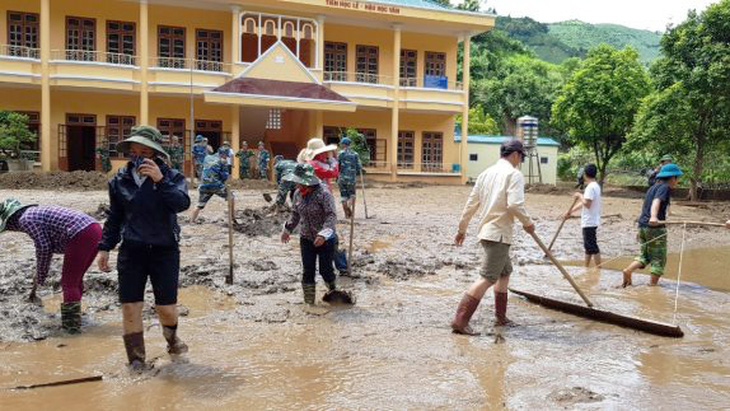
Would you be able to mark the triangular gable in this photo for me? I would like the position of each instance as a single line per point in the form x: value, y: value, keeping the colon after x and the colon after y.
x: 279, y: 63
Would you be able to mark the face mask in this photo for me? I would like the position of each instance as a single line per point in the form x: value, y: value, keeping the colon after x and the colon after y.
x: 304, y: 190
x: 136, y: 160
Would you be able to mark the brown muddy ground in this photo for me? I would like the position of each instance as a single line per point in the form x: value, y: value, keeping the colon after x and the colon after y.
x: 253, y: 345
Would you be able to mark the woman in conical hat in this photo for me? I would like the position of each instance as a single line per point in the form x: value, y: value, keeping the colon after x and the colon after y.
x: 324, y: 160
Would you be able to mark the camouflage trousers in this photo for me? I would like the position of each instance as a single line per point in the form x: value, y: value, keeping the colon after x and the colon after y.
x: 285, y: 188
x: 243, y: 172
x: 653, y: 242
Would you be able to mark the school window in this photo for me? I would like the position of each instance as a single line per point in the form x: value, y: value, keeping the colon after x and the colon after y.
x: 435, y: 64
x: 408, y: 67
x: 335, y: 61
x: 209, y: 50
x: 406, y: 143
x: 121, y: 42
x: 23, y: 31
x: 433, y: 151
x: 274, y: 120
x: 543, y: 160
x: 171, y: 46
x: 118, y: 128
x: 80, y: 39
x: 473, y: 157
x: 367, y: 64
x: 173, y: 127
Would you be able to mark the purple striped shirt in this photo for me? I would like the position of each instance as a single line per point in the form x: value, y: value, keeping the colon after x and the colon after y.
x: 51, y: 228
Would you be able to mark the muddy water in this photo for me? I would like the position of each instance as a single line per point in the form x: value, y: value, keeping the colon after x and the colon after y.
x: 254, y: 346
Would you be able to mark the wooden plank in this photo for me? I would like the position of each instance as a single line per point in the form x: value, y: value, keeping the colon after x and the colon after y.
x: 648, y: 326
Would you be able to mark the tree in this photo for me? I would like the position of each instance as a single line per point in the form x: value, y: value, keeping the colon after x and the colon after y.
x: 359, y: 144
x: 14, y: 132
x: 480, y: 122
x: 470, y: 5
x: 522, y: 86
x: 689, y: 113
x: 596, y: 107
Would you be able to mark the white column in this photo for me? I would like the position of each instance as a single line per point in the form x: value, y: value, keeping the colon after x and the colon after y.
x: 464, y: 149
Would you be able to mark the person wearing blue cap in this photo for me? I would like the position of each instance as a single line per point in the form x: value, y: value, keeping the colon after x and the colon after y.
x: 350, y: 168
x: 200, y: 150
x: 653, y: 234
x: 214, y: 177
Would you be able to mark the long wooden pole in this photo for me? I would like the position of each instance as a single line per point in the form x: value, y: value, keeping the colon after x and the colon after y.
x: 231, y: 209
x: 562, y: 269
x: 352, y: 236
x: 364, y: 200
x: 703, y: 223
x: 59, y: 383
x: 560, y: 227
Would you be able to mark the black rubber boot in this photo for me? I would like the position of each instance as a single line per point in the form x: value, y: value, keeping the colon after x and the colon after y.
x: 175, y: 346
x: 310, y: 291
x: 134, y: 344
x: 71, y: 317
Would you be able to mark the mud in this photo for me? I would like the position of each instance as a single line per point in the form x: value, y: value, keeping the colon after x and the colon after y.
x: 264, y: 221
x: 77, y: 180
x: 254, y: 345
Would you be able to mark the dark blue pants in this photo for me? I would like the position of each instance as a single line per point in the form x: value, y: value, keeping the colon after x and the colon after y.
x: 325, y: 253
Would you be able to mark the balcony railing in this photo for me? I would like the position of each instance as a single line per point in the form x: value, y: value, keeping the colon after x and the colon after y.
x: 90, y: 56
x: 19, y: 51
x: 428, y: 82
x: 186, y: 64
x: 349, y: 77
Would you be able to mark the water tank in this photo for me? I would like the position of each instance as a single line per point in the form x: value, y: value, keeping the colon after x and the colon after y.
x: 527, y: 130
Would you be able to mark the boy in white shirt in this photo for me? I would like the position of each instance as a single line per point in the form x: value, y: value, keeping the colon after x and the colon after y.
x: 590, y: 205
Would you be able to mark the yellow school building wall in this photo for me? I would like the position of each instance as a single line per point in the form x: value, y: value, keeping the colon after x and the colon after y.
x: 109, y: 10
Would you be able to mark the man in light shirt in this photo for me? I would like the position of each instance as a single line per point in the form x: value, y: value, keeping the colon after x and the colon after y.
x: 498, y: 197
x: 590, y: 204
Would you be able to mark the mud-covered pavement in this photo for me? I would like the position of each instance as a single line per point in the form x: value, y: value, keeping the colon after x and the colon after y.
x: 253, y: 344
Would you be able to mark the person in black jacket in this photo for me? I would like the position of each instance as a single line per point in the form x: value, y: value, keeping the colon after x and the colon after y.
x: 145, y: 197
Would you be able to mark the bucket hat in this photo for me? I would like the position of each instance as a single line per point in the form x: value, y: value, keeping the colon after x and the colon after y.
x: 8, y: 208
x: 199, y: 138
x: 669, y: 170
x: 147, y: 136
x: 668, y: 158
x: 303, y: 174
x: 346, y: 141
x: 315, y: 147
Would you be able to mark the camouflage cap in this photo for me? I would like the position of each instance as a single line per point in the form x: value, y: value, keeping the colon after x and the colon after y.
x: 147, y: 136
x: 278, y: 158
x: 346, y: 141
x: 7, y: 209
x: 303, y: 174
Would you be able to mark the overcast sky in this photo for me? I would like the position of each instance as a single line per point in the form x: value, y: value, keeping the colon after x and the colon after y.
x: 641, y: 14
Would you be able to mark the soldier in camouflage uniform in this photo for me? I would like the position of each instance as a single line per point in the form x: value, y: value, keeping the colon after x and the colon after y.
x: 106, y: 164
x: 244, y: 156
x: 350, y: 168
x: 215, y: 175
x: 176, y: 153
x: 200, y: 150
x: 263, y: 161
x: 283, y: 168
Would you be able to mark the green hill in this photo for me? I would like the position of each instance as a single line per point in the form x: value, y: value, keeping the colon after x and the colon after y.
x: 558, y: 41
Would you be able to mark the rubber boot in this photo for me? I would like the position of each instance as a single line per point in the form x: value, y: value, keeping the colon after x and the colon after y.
x: 500, y: 310
x: 175, y: 346
x: 71, y: 317
x: 466, y: 309
x: 332, y: 286
x: 134, y: 344
x: 310, y: 291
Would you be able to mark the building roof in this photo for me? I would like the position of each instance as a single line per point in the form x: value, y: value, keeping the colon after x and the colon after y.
x: 482, y: 139
x: 287, y: 89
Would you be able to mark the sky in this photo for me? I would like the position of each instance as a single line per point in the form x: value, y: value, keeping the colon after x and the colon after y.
x: 641, y: 14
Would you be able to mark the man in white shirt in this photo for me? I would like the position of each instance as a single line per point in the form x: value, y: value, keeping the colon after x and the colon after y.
x: 590, y: 204
x: 499, y: 197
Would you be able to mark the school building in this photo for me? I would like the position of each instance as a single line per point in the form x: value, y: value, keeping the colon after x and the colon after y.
x: 278, y: 71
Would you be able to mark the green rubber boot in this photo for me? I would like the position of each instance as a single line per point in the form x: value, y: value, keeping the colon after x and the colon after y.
x: 71, y: 317
x: 310, y: 291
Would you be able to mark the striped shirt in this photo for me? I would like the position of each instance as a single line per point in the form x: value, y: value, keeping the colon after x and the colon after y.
x: 50, y: 228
